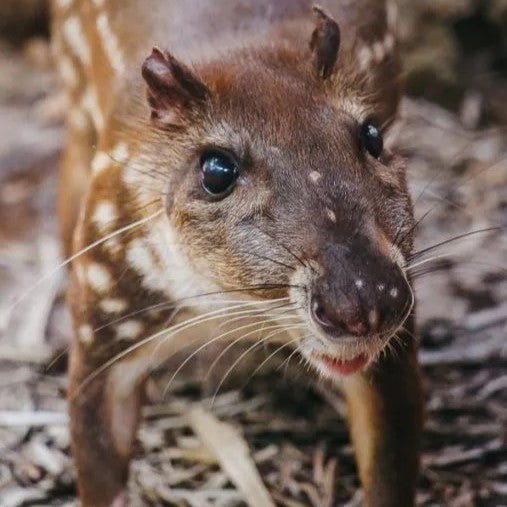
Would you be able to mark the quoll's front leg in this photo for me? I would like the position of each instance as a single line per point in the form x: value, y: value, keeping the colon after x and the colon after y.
x: 106, y: 385
x: 110, y: 306
x: 385, y: 418
x: 104, y: 419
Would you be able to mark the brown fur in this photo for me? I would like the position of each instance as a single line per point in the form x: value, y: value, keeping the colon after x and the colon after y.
x: 313, y: 216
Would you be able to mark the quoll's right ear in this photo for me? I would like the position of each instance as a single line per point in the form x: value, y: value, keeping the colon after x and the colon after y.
x: 172, y: 87
x: 325, y: 43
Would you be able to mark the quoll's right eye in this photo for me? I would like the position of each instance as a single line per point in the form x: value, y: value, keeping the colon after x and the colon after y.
x: 371, y: 139
x: 219, y: 173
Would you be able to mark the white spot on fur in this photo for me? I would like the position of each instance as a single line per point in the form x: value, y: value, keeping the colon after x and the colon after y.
x: 113, y: 245
x: 113, y: 305
x: 98, y: 277
x: 364, y: 57
x: 77, y: 119
x: 110, y: 43
x: 331, y: 215
x: 389, y: 41
x: 139, y: 257
x: 85, y: 334
x: 132, y: 175
x: 79, y: 271
x: 64, y: 4
x: 105, y: 215
x: 315, y: 176
x: 359, y: 284
x: 120, y: 153
x: 73, y: 33
x: 393, y: 292
x: 382, y: 48
x: 67, y: 71
x: 381, y: 287
x: 129, y: 330
x: 376, y: 52
x: 100, y: 162
x: 90, y: 103
x: 185, y: 274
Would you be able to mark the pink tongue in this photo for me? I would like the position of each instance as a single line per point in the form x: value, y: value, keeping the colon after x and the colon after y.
x: 344, y: 366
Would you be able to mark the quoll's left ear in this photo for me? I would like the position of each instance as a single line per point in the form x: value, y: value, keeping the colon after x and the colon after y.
x: 172, y: 87
x: 325, y: 43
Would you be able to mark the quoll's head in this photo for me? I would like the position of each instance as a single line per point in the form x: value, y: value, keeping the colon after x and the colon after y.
x: 279, y: 181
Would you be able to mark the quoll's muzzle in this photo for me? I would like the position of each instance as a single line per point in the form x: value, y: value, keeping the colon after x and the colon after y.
x: 361, y: 293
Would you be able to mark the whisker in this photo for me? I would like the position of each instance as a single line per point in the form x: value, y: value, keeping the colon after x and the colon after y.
x: 55, y: 270
x: 170, y: 333
x: 245, y: 313
x: 423, y: 251
x: 403, y: 329
x: 288, y: 250
x: 275, y: 318
x: 260, y: 312
x: 394, y: 329
x: 177, y: 303
x: 246, y: 352
x: 412, y: 228
x: 202, y: 347
x: 458, y: 261
x: 426, y: 261
x: 278, y: 349
x: 445, y: 200
x: 286, y: 362
x: 279, y: 263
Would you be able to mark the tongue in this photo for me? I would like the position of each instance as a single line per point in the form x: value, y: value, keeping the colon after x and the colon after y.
x: 345, y: 366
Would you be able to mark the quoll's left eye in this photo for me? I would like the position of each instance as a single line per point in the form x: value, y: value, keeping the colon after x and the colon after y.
x: 219, y: 172
x: 371, y: 139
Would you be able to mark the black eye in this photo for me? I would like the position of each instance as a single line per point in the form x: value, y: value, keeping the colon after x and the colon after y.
x: 219, y: 172
x: 371, y: 138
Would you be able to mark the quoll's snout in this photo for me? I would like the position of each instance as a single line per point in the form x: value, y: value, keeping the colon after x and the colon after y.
x: 360, y: 295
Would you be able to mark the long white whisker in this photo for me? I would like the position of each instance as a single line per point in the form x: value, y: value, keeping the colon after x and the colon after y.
x: 425, y: 261
x: 287, y: 361
x: 278, y: 349
x: 250, y: 349
x: 216, y: 314
x: 177, y: 304
x: 55, y: 270
x: 194, y: 353
x: 272, y: 318
x: 171, y: 332
x: 182, y: 365
x: 261, y: 312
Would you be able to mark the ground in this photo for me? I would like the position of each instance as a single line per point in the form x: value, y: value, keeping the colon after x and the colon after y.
x: 457, y: 166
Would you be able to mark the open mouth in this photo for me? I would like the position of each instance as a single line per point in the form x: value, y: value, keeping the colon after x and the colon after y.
x: 333, y: 365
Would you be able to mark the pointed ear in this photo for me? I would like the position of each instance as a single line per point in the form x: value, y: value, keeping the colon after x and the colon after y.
x: 325, y: 43
x: 172, y: 87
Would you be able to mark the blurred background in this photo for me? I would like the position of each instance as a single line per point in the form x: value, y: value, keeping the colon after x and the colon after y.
x: 453, y: 131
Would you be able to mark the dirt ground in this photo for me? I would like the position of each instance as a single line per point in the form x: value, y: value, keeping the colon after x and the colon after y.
x: 453, y: 133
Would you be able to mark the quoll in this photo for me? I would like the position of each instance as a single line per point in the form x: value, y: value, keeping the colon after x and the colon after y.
x: 225, y: 165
